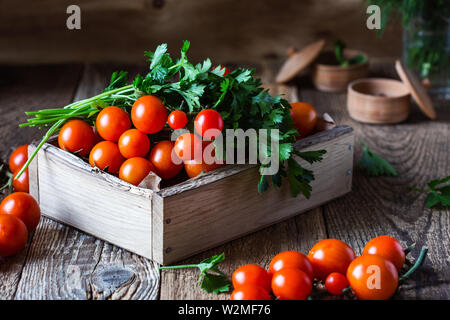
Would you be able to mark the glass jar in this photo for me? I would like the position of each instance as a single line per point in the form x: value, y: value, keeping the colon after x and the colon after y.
x: 426, y: 51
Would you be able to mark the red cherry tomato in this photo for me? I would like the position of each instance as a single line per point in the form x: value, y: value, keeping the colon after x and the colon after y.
x: 23, y: 206
x: 250, y: 292
x: 335, y: 283
x: 162, y: 157
x: 13, y: 235
x: 76, y: 136
x: 149, y: 114
x: 291, y: 259
x: 18, y: 158
x: 291, y: 284
x: 330, y: 255
x: 104, y: 155
x: 208, y: 123
x: 188, y: 147
x: 134, y: 170
x: 304, y: 116
x: 372, y: 277
x: 388, y: 248
x: 177, y: 119
x: 194, y: 168
x: 112, y: 122
x: 251, y: 274
x: 133, y: 143
x: 97, y: 137
x: 22, y: 183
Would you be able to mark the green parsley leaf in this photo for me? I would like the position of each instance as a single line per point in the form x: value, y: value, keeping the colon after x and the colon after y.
x: 374, y: 165
x: 118, y: 79
x: 311, y: 156
x: 437, y: 196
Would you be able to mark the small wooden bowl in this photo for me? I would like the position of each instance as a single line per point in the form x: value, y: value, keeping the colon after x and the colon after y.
x: 374, y: 100
x: 330, y: 77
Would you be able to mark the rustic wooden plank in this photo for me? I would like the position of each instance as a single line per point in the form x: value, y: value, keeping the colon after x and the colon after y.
x: 22, y: 89
x: 419, y: 150
x: 64, y: 263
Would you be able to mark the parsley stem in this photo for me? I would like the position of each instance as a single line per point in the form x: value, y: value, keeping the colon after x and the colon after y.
x: 417, y: 265
x: 179, y: 267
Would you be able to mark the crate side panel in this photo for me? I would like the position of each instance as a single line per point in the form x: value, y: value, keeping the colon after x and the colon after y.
x: 229, y: 208
x: 79, y: 198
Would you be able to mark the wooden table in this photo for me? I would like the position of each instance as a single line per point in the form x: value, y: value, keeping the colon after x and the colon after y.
x: 63, y: 263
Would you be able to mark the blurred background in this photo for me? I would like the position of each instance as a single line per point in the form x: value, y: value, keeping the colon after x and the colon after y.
x: 35, y: 32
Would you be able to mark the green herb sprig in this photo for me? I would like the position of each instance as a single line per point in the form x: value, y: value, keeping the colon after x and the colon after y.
x: 438, y: 195
x: 211, y: 278
x: 339, y: 47
x: 373, y: 165
x: 238, y: 97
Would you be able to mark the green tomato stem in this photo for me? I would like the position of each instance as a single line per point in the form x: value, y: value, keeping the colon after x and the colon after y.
x: 417, y: 265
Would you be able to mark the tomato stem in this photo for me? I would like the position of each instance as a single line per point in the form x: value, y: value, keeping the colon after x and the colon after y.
x: 410, y: 248
x: 417, y: 265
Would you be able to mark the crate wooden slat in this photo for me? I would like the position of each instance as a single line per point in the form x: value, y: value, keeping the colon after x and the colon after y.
x: 187, y: 218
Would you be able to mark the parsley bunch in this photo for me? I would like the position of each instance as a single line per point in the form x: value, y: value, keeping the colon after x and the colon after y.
x: 438, y: 194
x: 238, y: 97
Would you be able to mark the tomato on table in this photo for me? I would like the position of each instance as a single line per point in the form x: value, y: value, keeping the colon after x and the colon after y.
x: 291, y: 284
x: 208, y: 123
x: 23, y: 206
x: 372, y: 277
x: 291, y: 259
x: 134, y: 170
x: 330, y: 255
x: 149, y: 114
x: 251, y: 274
x: 106, y: 155
x: 388, y: 248
x: 177, y: 119
x: 21, y: 184
x: 304, y: 116
x: 112, y: 122
x: 13, y: 235
x: 18, y: 158
x: 250, y: 292
x: 134, y: 143
x: 164, y: 159
x: 335, y: 283
x: 76, y: 136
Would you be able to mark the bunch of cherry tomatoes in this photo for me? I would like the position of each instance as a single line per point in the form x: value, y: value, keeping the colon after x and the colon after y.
x: 372, y: 276
x: 120, y: 144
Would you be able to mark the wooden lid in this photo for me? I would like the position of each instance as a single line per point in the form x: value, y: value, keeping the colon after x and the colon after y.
x: 299, y: 61
x: 416, y: 89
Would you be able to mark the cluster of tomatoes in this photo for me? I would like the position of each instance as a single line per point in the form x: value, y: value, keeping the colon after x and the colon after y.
x: 19, y: 211
x: 291, y: 275
x: 120, y: 144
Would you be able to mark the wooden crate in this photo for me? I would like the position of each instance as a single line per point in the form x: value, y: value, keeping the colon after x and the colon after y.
x: 179, y: 221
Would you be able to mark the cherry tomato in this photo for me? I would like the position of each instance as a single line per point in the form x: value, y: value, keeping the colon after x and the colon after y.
x: 22, y: 183
x: 208, y: 123
x: 18, y: 158
x: 372, y: 277
x: 304, y: 116
x: 149, y: 114
x: 13, y: 235
x: 291, y: 259
x: 194, y: 168
x: 335, y: 283
x: 97, y: 137
x: 112, y: 122
x: 23, y: 206
x: 330, y: 255
x: 250, y: 292
x: 133, y: 143
x: 388, y: 248
x: 291, y: 284
x: 227, y: 71
x: 177, y: 119
x: 134, y: 170
x: 76, y: 136
x: 251, y: 274
x: 188, y: 147
x: 104, y: 155
x: 165, y: 161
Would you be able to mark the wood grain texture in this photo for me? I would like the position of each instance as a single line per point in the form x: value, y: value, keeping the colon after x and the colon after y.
x: 64, y: 263
x: 225, y: 30
x: 22, y: 89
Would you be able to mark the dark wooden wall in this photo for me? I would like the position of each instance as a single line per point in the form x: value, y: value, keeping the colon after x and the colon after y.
x: 226, y: 30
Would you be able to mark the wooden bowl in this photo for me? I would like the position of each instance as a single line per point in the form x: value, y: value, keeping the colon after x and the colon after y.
x: 379, y: 101
x: 330, y: 77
